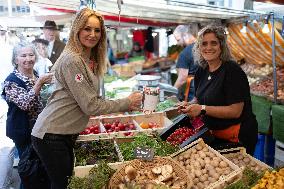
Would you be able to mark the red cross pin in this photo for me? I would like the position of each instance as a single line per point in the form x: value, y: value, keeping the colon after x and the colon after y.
x: 79, y: 77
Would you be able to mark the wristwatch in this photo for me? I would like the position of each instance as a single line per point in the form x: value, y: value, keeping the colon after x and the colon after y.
x: 203, y: 110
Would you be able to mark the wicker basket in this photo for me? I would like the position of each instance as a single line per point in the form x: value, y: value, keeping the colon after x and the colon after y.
x: 117, y: 177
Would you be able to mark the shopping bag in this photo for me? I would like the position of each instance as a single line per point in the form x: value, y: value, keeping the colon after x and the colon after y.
x: 31, y: 170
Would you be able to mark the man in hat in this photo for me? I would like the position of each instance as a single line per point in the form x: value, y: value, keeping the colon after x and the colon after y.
x: 55, y: 46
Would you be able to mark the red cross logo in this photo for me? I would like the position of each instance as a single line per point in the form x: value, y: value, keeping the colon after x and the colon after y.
x: 79, y: 77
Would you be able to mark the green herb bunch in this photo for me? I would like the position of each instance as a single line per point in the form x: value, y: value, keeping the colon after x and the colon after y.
x: 162, y: 148
x: 98, y: 178
x: 248, y: 180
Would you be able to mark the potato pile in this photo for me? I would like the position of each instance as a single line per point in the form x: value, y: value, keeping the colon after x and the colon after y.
x: 243, y: 160
x: 159, y: 175
x: 271, y: 180
x: 202, y: 165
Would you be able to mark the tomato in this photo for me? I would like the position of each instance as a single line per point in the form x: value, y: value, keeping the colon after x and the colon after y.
x: 107, y: 125
x: 121, y: 126
x: 93, y: 128
x: 116, y: 129
x: 96, y: 131
x: 131, y: 126
x: 87, y: 131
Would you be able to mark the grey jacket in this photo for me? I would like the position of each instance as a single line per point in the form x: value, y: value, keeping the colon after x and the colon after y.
x: 75, y: 98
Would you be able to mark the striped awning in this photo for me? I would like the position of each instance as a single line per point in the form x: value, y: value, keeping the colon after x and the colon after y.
x: 255, y: 46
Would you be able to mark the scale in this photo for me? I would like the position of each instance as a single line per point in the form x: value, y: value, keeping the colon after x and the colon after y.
x: 154, y: 81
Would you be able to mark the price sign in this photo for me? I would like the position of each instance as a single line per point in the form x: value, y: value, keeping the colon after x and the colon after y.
x: 144, y: 153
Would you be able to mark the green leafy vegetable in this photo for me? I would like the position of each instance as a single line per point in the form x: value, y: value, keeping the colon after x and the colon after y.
x: 162, y: 148
x: 97, y: 179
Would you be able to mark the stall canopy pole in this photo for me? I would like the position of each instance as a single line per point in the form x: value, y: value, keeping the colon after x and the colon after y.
x: 273, y: 59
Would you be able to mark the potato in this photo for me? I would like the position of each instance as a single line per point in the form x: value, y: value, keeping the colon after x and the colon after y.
x: 186, y: 155
x: 180, y: 157
x: 196, y: 164
x: 207, y: 160
x: 202, y: 163
x: 203, y: 171
x: 219, y: 170
x: 227, y: 171
x: 215, y: 163
x: 211, y: 173
x: 193, y: 151
x: 202, y: 154
x: 223, y: 164
x: 198, y: 173
x: 203, y: 178
x: 199, y: 147
x: 196, y: 180
x: 191, y: 175
x: 188, y: 167
x: 200, y: 185
x: 209, y: 167
x: 211, y: 179
x: 187, y: 162
x: 206, y: 183
x: 205, y: 149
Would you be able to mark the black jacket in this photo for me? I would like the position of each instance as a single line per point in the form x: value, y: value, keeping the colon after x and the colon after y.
x: 18, y: 126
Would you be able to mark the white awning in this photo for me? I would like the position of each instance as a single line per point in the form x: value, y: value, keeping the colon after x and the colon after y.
x: 160, y: 10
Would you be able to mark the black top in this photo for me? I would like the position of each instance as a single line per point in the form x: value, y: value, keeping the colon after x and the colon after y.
x: 225, y: 86
x: 185, y: 60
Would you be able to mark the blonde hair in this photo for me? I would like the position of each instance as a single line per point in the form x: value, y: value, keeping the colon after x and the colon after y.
x: 74, y: 44
x: 220, y: 34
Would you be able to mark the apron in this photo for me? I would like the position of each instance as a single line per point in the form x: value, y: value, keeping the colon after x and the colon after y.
x: 230, y: 134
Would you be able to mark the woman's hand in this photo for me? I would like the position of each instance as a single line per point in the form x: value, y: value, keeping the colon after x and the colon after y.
x: 135, y: 101
x: 192, y: 110
x: 182, y: 105
x: 44, y: 79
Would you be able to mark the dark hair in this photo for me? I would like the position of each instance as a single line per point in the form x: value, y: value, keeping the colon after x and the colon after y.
x: 42, y: 41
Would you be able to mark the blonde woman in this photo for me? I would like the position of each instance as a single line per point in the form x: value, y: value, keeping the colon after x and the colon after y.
x: 222, y: 91
x: 76, y: 97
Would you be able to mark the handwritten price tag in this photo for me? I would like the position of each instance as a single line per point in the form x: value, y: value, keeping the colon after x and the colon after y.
x: 144, y: 153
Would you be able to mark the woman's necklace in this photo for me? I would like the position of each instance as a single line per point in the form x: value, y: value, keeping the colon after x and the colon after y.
x: 213, y: 70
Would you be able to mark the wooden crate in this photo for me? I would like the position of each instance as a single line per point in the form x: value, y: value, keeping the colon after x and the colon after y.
x: 122, y: 119
x: 81, y: 171
x: 93, y: 121
x: 235, y: 173
x: 235, y: 152
x: 156, y: 117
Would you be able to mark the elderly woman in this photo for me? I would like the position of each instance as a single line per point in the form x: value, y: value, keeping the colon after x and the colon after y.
x: 76, y: 96
x: 21, y: 91
x: 222, y: 91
